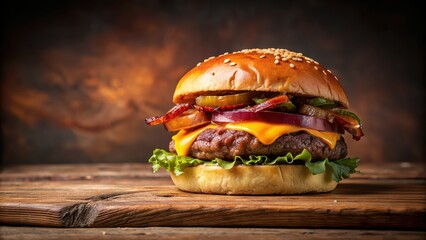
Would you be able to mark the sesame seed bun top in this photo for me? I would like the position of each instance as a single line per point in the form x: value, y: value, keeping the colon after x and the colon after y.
x: 266, y: 70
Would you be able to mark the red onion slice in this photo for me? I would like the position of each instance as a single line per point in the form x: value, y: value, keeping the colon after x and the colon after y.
x: 276, y: 117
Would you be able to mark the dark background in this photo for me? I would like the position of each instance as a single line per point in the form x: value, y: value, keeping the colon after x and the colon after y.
x: 79, y: 77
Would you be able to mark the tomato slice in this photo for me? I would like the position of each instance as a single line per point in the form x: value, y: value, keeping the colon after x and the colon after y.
x: 189, y: 119
x: 225, y: 100
x: 276, y: 117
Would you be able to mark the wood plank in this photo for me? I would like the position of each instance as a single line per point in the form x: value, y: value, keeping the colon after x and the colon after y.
x: 71, y: 172
x: 18, y: 233
x: 356, y: 203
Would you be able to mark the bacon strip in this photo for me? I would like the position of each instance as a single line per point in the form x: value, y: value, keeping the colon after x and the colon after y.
x: 354, y: 129
x: 221, y: 108
x: 269, y: 103
x: 174, y: 112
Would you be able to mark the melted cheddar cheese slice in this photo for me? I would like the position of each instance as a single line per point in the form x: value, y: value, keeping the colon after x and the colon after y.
x: 267, y: 133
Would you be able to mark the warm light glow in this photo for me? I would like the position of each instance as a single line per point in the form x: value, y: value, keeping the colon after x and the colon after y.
x: 78, y: 79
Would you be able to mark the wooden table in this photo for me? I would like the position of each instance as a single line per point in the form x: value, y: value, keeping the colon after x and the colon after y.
x: 128, y: 201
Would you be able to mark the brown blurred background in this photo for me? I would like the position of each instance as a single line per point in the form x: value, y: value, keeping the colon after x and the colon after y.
x: 79, y: 77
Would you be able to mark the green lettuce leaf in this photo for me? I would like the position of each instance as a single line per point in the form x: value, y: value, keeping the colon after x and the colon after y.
x: 259, y: 100
x: 322, y: 102
x: 316, y: 167
x: 171, y: 162
x: 224, y: 164
x: 340, y: 169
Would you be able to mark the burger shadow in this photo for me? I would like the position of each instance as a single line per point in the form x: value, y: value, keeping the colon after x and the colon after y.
x: 363, y: 188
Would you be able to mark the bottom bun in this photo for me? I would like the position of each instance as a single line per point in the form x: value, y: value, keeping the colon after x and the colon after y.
x: 253, y: 180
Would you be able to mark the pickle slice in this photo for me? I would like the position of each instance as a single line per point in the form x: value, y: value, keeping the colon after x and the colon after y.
x: 224, y: 100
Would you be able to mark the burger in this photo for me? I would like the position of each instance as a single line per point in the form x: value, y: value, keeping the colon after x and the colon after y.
x: 258, y: 122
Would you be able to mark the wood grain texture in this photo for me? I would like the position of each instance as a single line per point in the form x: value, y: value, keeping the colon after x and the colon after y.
x: 70, y: 172
x: 19, y: 233
x: 113, y: 199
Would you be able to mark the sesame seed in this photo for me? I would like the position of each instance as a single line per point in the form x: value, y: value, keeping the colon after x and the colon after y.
x: 227, y: 60
x: 324, y: 72
x: 233, y: 63
x: 336, y: 78
x: 328, y: 70
x: 316, y: 68
x: 281, y: 55
x: 198, y: 64
x: 292, y: 65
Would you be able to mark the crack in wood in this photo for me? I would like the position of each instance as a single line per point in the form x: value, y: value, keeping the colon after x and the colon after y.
x: 79, y: 215
x: 84, y: 214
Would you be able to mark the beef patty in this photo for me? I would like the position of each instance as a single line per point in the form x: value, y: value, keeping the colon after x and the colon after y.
x: 225, y: 144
